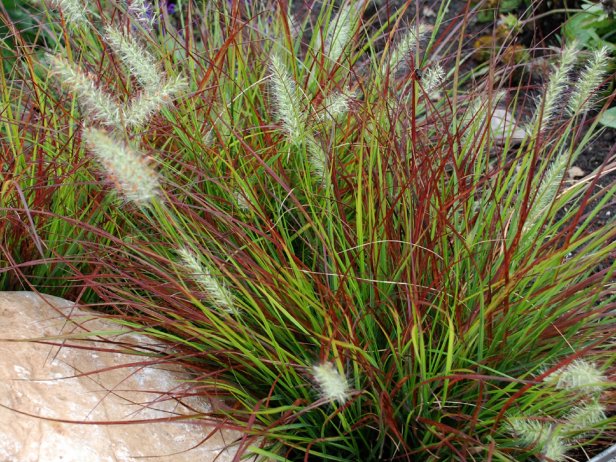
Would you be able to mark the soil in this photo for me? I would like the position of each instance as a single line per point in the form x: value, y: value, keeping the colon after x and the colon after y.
x: 593, y: 158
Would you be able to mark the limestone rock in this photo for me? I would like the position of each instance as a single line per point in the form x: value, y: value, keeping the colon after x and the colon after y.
x: 575, y: 172
x: 48, y: 381
x: 504, y: 127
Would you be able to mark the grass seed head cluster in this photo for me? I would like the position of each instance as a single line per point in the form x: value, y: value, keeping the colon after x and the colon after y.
x: 555, y: 438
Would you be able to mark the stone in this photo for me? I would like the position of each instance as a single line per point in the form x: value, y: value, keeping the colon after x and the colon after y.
x: 504, y: 127
x: 575, y: 172
x: 43, y: 386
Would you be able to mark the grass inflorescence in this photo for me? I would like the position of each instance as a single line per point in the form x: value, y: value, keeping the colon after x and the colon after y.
x: 347, y: 253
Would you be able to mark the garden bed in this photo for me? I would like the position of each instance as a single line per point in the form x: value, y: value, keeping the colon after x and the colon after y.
x: 328, y: 229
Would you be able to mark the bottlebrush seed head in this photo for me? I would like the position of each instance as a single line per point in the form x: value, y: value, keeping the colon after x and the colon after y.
x: 139, y: 61
x: 590, y: 80
x: 336, y: 105
x: 533, y: 432
x: 433, y: 77
x: 547, y: 190
x: 151, y: 100
x: 319, y: 163
x: 287, y: 100
x: 557, y: 85
x: 340, y: 34
x: 406, y: 46
x: 528, y: 431
x: 73, y: 10
x: 555, y: 449
x: 101, y: 106
x: 332, y: 385
x: 581, y: 376
x: 584, y: 417
x: 128, y: 170
x: 218, y: 293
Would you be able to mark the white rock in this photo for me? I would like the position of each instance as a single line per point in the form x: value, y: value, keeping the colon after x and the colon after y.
x: 504, y: 127
x: 575, y: 172
x: 63, y: 383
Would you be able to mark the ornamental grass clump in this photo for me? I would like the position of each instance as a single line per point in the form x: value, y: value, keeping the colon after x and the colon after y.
x: 371, y: 278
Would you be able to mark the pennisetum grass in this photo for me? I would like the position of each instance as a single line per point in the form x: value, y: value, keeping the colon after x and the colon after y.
x: 216, y: 291
x: 332, y: 385
x: 589, y: 81
x: 342, y: 28
x: 407, y: 46
x: 557, y: 84
x: 386, y: 281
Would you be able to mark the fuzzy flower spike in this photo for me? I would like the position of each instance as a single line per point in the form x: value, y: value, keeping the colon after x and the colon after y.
x: 73, y: 10
x: 332, y: 385
x: 340, y: 34
x: 533, y: 432
x: 287, y: 101
x: 142, y: 64
x: 590, y: 80
x: 150, y: 101
x: 128, y: 170
x: 406, y: 46
x: 584, y: 417
x: 580, y: 376
x: 557, y: 84
x: 101, y: 106
x: 218, y: 293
